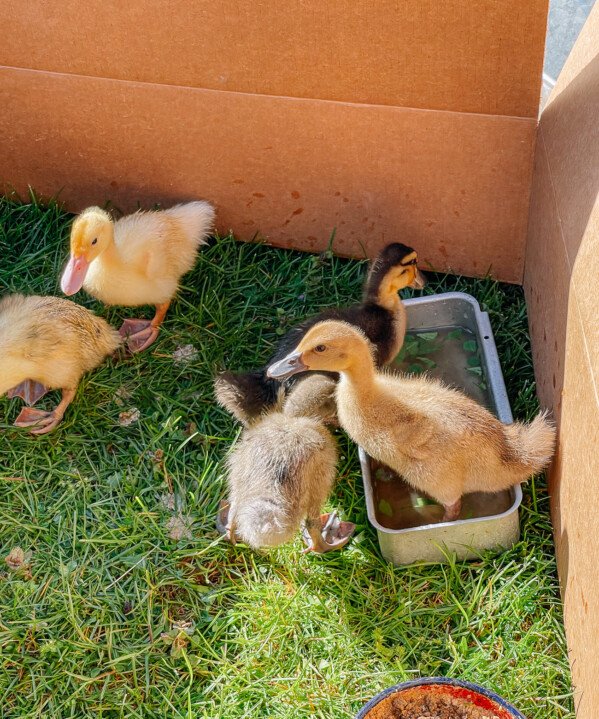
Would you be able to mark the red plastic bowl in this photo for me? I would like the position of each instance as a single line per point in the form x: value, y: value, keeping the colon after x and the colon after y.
x: 477, y: 695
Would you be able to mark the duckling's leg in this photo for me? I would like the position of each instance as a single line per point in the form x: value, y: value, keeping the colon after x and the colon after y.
x: 326, y: 533
x: 29, y: 391
x: 452, y: 511
x: 224, y: 524
x: 44, y: 422
x: 141, y: 333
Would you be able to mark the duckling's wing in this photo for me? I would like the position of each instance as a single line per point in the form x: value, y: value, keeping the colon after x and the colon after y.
x: 135, y: 236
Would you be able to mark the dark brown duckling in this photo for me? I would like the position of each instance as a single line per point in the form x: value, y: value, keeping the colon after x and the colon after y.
x: 381, y: 316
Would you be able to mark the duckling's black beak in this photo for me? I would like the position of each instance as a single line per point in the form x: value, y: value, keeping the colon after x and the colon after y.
x: 290, y: 365
x: 419, y: 281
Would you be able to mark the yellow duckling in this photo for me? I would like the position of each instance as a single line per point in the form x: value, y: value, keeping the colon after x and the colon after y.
x: 137, y: 260
x: 48, y: 343
x: 438, y: 439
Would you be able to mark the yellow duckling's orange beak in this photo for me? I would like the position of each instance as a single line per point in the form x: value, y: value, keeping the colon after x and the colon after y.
x: 290, y: 365
x: 73, y: 276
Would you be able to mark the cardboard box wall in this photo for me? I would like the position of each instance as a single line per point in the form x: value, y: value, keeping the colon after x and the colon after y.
x: 562, y: 292
x: 413, y: 121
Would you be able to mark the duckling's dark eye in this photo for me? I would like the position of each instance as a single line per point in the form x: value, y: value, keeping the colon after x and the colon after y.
x: 94, y: 241
x: 320, y: 348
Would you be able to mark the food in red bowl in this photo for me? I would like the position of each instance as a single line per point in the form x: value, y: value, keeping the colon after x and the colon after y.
x: 438, y: 698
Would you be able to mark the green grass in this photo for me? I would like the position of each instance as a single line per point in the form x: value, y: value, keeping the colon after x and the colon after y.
x: 114, y: 618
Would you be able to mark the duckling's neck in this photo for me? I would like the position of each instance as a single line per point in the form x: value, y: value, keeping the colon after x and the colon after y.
x: 360, y: 374
x: 388, y: 297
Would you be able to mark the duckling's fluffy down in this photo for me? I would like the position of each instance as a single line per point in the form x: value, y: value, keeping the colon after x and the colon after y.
x: 50, y: 340
x: 280, y: 470
x: 153, y: 251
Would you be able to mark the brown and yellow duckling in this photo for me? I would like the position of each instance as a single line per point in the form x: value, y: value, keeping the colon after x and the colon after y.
x: 48, y: 343
x: 439, y: 440
x: 381, y: 316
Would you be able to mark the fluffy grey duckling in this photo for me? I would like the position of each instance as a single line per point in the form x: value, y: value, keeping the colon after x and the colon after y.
x: 280, y: 473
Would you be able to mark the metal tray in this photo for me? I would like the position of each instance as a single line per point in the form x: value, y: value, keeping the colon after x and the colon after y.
x: 464, y: 538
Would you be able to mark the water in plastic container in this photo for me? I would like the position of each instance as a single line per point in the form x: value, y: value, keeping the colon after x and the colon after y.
x: 452, y: 355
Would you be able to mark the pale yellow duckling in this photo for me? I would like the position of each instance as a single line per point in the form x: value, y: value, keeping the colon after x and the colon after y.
x: 48, y: 343
x: 137, y: 260
x: 438, y: 439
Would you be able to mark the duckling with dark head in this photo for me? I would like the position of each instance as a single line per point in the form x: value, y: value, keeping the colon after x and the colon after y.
x: 381, y: 316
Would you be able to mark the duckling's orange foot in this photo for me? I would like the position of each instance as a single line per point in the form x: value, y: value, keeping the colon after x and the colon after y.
x: 41, y: 422
x: 139, y: 334
x: 29, y: 391
x: 327, y: 534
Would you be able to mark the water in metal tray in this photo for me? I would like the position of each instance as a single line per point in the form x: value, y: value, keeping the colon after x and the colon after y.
x: 451, y: 354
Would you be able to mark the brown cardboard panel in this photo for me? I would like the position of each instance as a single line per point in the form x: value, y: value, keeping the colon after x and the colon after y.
x: 480, y: 56
x: 584, y: 279
x: 546, y: 284
x: 575, y: 496
x: 455, y: 186
x: 571, y: 135
x: 562, y: 264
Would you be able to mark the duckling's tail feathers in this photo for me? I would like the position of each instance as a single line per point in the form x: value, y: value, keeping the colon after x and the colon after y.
x: 533, y: 444
x: 264, y: 523
x: 245, y: 395
x: 196, y: 218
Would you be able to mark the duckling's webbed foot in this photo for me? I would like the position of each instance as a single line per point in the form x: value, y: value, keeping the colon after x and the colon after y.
x: 42, y: 422
x: 29, y: 391
x: 326, y: 533
x: 138, y: 334
x: 224, y: 524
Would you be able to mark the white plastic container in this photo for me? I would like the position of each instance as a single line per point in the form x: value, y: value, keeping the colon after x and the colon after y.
x: 496, y: 524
